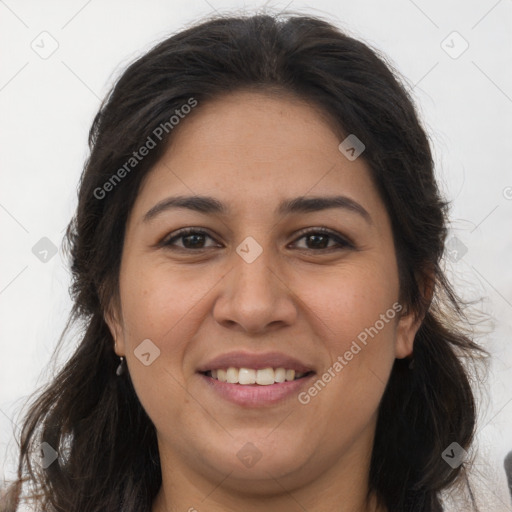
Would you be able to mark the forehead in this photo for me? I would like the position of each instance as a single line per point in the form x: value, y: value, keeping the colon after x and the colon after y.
x: 254, y: 149
x: 263, y: 127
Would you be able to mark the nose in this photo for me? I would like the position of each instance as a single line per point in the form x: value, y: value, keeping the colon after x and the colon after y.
x: 255, y: 297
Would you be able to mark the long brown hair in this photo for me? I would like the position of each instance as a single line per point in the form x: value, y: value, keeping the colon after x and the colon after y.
x: 108, y: 456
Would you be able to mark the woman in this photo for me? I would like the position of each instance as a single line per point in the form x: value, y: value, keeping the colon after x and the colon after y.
x: 256, y: 262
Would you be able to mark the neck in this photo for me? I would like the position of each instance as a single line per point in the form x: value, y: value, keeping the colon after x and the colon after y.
x: 287, y: 502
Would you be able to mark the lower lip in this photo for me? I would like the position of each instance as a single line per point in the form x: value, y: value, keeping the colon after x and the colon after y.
x: 255, y: 395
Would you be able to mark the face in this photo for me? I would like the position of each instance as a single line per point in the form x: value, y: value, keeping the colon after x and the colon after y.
x: 260, y: 282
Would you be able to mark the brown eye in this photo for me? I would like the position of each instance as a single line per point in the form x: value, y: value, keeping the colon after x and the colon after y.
x: 319, y: 239
x: 191, y: 239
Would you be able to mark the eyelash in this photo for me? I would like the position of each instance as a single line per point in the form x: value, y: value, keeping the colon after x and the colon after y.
x: 342, y: 242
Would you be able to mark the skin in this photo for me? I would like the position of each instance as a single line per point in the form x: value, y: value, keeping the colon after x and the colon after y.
x: 251, y: 151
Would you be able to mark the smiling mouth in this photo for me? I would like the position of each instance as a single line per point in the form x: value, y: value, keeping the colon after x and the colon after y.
x: 250, y: 376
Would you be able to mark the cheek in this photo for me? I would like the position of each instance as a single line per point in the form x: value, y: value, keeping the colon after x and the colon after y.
x: 167, y: 306
x: 344, y: 302
x: 353, y: 314
x: 157, y: 300
x: 164, y: 311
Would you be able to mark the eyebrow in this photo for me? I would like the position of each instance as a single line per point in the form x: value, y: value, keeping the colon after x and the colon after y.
x: 210, y: 205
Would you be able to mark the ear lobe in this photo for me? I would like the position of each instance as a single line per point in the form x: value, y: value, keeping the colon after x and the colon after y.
x: 114, y: 325
x: 409, y: 324
x: 407, y: 328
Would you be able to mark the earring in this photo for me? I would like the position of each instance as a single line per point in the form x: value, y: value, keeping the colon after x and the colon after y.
x: 120, y: 368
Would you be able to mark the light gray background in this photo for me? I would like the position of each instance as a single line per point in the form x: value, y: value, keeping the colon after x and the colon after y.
x: 48, y: 104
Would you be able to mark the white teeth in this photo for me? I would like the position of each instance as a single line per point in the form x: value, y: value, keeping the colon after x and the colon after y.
x: 280, y: 375
x: 248, y: 376
x: 290, y: 374
x: 264, y: 377
x: 232, y: 375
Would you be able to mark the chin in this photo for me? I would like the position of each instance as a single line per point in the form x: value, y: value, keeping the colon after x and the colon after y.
x: 255, y: 469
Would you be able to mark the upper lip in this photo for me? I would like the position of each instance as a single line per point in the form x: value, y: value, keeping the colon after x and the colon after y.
x: 255, y: 361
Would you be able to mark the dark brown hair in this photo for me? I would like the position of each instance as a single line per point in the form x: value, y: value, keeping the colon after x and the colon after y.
x: 108, y: 456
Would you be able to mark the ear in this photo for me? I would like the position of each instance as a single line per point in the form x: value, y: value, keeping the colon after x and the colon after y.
x: 407, y: 328
x: 112, y: 319
x: 411, y: 321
